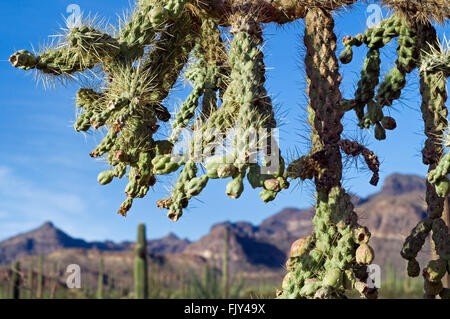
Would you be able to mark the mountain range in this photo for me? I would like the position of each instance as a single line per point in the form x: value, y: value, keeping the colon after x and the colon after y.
x: 389, y: 214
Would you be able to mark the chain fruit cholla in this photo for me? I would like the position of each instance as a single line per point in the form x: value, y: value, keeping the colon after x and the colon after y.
x: 165, y: 40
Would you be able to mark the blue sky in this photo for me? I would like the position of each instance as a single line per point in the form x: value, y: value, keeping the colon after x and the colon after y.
x: 46, y: 172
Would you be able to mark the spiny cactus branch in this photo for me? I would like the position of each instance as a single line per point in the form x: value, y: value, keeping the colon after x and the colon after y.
x: 165, y: 40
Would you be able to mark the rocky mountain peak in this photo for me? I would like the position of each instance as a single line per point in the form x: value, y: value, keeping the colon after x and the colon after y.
x: 390, y: 215
x: 398, y: 184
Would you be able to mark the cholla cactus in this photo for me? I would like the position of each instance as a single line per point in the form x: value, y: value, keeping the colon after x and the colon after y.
x: 15, y: 280
x: 434, y: 75
x: 418, y: 48
x: 164, y: 40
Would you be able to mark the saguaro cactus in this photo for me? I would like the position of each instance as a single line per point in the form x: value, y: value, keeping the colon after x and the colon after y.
x: 142, y: 62
x: 16, y: 280
x: 40, y: 278
x: 140, y: 265
x: 30, y: 281
x: 225, y: 265
x: 100, y: 281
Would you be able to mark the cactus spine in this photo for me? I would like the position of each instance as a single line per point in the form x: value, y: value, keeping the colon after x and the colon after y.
x: 140, y: 265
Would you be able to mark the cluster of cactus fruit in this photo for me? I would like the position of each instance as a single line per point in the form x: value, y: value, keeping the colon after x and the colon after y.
x: 165, y: 40
x: 433, y: 77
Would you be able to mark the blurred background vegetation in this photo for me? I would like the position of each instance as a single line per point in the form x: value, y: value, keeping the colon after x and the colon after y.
x: 38, y: 278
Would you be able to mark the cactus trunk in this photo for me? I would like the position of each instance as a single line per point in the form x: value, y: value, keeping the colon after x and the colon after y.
x: 434, y: 112
x: 330, y: 253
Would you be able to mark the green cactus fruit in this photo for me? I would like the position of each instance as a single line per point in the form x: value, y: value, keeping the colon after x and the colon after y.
x: 120, y: 170
x: 316, y: 255
x: 142, y: 191
x: 333, y: 278
x: 196, y: 185
x: 310, y: 287
x: 323, y: 293
x: 226, y: 170
x: 287, y: 280
x: 105, y: 177
x: 212, y: 165
x: 365, y: 291
x: 300, y: 246
x: 254, y: 175
x: 278, y: 171
x: 433, y: 288
x: 380, y: 132
x: 347, y: 55
x: 132, y: 188
x: 284, y: 184
x: 158, y: 15
x: 435, y: 270
x: 175, y: 7
x: 389, y: 123
x: 24, y: 60
x: 413, y: 268
x: 349, y: 280
x: 235, y: 188
x: 443, y: 187
x: 164, y: 164
x: 364, y: 254
x: 272, y: 184
x: 361, y: 235
x: 125, y: 207
x: 267, y: 195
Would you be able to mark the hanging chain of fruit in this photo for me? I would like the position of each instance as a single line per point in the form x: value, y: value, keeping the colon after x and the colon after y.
x: 335, y: 256
x: 418, y: 47
x: 166, y: 40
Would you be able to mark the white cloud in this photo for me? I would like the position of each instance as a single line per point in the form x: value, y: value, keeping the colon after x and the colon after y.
x: 26, y: 204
